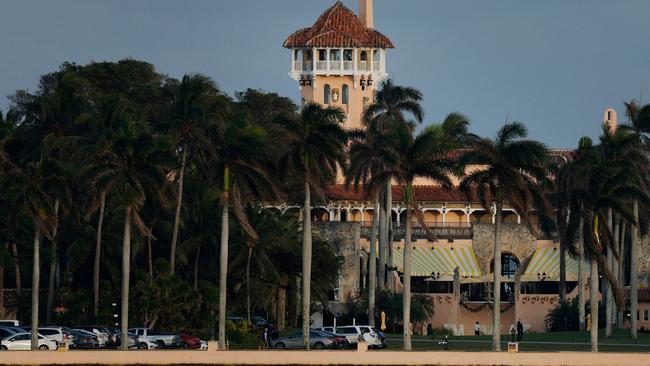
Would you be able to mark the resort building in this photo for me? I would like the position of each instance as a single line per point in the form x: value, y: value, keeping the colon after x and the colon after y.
x: 339, y: 61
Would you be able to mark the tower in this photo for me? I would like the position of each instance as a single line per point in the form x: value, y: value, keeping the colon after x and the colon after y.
x: 610, y: 119
x: 340, y: 59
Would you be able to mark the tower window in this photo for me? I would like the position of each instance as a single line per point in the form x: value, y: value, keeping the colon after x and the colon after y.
x: 345, y: 94
x: 322, y: 55
x: 609, y: 115
x: 335, y: 55
x: 326, y: 94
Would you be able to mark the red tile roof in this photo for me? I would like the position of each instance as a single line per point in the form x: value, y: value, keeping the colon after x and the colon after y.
x: 338, y: 26
x: 422, y: 193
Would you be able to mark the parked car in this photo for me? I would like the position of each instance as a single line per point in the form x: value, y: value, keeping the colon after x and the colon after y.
x: 103, y: 334
x: 9, y: 323
x: 23, y: 341
x: 189, y: 342
x: 354, y: 332
x: 145, y: 343
x: 259, y: 322
x: 59, y: 334
x: 164, y: 340
x: 340, y: 341
x: 7, y: 331
x: 82, y: 339
x: 317, y: 340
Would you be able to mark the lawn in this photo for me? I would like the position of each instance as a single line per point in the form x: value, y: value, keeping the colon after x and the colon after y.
x: 549, y: 342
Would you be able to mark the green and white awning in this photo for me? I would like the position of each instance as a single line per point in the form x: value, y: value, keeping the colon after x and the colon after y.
x: 424, y: 261
x: 546, y: 260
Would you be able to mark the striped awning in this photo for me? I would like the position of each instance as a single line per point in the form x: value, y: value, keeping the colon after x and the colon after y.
x: 439, y: 260
x: 547, y: 260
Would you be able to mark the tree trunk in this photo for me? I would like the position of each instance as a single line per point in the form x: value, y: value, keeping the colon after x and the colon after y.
x: 53, y: 256
x: 177, y: 218
x: 496, y: 305
x: 620, y: 323
x: 389, y: 236
x: 19, y: 283
x: 562, y: 284
x: 196, y: 268
x: 98, y: 251
x: 248, y: 282
x: 150, y: 259
x: 2, y: 284
x: 406, y: 286
x: 634, y: 275
x: 126, y: 271
x: 581, y: 275
x: 617, y: 227
x: 372, y: 263
x: 223, y: 262
x: 306, y: 266
x: 282, y: 303
x: 36, y: 280
x: 608, y: 288
x: 593, y: 302
x: 383, y: 239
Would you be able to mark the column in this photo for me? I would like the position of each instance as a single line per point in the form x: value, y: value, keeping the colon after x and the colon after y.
x: 371, y: 59
x: 341, y: 63
x: 327, y: 59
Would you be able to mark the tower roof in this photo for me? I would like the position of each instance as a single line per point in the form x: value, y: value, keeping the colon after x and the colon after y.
x: 338, y: 26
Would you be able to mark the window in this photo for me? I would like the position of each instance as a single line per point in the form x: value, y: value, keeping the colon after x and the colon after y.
x: 609, y: 115
x: 296, y: 55
x: 347, y: 55
x: 326, y: 94
x: 322, y: 55
x: 347, y: 330
x: 335, y: 55
x: 364, y: 56
x: 645, y: 315
x: 345, y: 94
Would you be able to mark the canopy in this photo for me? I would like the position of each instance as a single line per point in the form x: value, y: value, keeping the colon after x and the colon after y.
x: 440, y: 260
x: 546, y: 260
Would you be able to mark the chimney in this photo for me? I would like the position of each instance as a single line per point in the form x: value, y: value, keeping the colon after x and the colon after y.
x: 609, y: 119
x: 365, y: 13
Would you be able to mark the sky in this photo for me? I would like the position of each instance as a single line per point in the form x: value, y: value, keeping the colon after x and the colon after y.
x: 554, y: 65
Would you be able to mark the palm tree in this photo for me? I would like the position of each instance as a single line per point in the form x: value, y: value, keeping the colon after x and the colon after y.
x: 314, y: 148
x: 639, y: 127
x: 512, y: 168
x: 194, y: 98
x: 425, y: 155
x: 391, y: 104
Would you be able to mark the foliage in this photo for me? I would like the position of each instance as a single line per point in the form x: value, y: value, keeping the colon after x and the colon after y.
x: 563, y: 317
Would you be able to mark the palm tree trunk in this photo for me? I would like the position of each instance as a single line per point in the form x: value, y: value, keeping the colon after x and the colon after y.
x: 53, y: 259
x: 593, y: 301
x: 634, y: 275
x: 223, y: 261
x: 36, y: 280
x: 496, y: 305
x: 562, y: 283
x: 621, y: 272
x: 282, y: 302
x: 383, y: 239
x: 608, y: 288
x: 306, y: 266
x: 248, y: 283
x: 19, y: 283
x: 126, y: 272
x: 196, y: 268
x: 150, y: 259
x: 615, y: 268
x: 389, y: 235
x: 372, y: 263
x: 177, y: 218
x: 581, y: 275
x: 2, y: 284
x: 98, y: 251
x: 406, y: 286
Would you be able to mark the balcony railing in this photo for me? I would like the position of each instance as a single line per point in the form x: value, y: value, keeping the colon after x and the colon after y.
x: 307, y: 66
x: 348, y: 65
x: 375, y: 65
x: 364, y: 66
x: 335, y: 65
x: 297, y: 65
x: 321, y: 65
x: 436, y: 229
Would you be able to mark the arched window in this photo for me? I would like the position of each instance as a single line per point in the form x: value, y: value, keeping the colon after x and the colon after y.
x: 326, y: 94
x: 345, y: 94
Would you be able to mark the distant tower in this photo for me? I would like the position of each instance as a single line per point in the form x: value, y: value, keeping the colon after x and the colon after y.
x: 609, y: 119
x: 340, y: 59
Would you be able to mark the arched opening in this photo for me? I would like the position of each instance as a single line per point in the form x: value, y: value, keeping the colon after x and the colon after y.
x: 509, y: 216
x: 344, y: 215
x: 363, y: 61
x: 509, y: 264
x: 480, y: 216
x: 320, y: 214
x: 345, y: 94
x: 326, y: 94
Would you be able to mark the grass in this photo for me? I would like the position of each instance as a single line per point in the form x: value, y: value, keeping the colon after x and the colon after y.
x: 538, y: 342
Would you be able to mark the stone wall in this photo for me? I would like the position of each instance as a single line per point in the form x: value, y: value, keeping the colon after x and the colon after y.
x: 345, y: 237
x: 515, y: 238
x: 643, y: 260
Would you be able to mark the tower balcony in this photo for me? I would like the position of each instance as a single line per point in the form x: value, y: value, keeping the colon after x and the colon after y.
x: 354, y: 62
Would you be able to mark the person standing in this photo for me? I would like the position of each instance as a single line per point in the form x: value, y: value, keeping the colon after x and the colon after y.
x: 266, y: 339
x: 477, y: 329
x: 520, y: 330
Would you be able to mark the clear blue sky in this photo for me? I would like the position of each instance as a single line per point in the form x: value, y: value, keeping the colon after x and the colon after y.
x: 553, y: 64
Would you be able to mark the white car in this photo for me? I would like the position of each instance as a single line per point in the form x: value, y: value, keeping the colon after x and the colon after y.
x: 23, y: 341
x: 353, y: 332
x: 59, y: 334
x: 144, y: 343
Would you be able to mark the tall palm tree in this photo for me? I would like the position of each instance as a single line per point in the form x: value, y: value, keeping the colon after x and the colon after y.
x: 314, y: 149
x: 391, y: 105
x: 193, y: 98
x: 639, y: 126
x: 425, y: 155
x: 511, y: 168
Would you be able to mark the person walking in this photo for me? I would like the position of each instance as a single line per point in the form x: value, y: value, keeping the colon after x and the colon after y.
x: 477, y: 329
x: 265, y: 339
x: 520, y: 330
